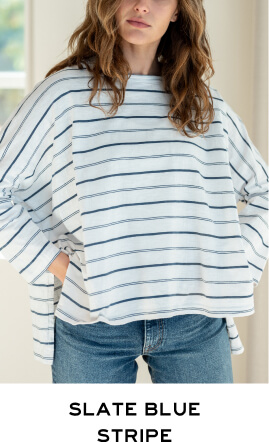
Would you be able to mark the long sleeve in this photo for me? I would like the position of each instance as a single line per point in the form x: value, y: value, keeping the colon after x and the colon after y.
x: 249, y: 173
x: 24, y: 139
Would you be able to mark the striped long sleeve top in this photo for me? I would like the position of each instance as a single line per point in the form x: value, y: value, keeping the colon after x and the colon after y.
x: 147, y: 215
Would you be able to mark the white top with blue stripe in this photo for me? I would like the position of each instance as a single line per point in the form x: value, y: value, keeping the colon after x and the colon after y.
x: 147, y: 215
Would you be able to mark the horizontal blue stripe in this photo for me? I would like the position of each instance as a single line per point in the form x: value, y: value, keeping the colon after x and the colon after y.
x: 161, y: 233
x: 151, y: 297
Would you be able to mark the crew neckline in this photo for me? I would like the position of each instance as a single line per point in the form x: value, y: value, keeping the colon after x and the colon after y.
x: 144, y: 77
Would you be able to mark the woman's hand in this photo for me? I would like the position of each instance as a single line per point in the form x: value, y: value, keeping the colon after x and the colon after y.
x: 59, y: 266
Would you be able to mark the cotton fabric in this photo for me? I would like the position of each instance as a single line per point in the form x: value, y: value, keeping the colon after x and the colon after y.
x: 147, y: 215
x: 187, y: 349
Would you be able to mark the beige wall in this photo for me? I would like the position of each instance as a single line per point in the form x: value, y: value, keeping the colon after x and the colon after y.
x: 237, y: 31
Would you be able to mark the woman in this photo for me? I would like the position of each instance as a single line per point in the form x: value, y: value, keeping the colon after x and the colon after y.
x: 124, y: 223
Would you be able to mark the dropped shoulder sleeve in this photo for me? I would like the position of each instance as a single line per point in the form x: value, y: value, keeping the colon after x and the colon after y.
x: 25, y: 137
x: 249, y: 173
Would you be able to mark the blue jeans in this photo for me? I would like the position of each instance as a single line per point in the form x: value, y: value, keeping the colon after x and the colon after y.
x: 189, y: 348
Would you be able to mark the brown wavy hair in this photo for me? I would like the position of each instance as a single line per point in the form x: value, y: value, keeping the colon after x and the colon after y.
x: 183, y: 52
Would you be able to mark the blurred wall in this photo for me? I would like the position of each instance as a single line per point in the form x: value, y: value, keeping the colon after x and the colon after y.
x: 238, y: 37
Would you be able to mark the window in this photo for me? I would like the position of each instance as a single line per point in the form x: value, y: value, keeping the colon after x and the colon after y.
x: 12, y: 60
x: 12, y: 64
